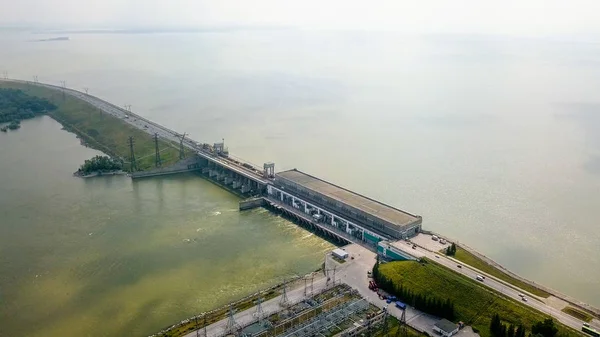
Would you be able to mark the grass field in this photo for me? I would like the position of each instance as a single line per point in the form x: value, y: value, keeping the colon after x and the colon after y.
x: 474, y: 261
x: 101, y: 131
x: 474, y: 304
x: 584, y: 316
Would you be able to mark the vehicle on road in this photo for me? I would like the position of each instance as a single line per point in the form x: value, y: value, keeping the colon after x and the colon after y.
x: 521, y: 295
x: 479, y: 278
x: 400, y: 305
x: 414, y: 247
x: 524, y: 299
x: 590, y: 331
x: 459, y: 266
x: 434, y: 238
x: 437, y: 256
x: 586, y: 324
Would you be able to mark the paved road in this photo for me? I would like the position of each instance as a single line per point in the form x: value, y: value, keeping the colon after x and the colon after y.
x: 151, y: 128
x: 494, y: 283
x: 269, y: 307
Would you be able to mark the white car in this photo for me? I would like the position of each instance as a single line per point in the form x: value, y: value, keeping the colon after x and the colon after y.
x: 521, y: 295
x: 524, y: 299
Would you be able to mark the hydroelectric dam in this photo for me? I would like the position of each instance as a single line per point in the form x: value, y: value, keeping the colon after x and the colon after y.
x: 331, y: 210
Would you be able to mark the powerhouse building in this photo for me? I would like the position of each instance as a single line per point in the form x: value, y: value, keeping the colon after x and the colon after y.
x: 362, y: 217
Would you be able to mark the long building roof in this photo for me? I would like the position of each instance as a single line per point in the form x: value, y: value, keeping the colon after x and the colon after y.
x: 360, y: 202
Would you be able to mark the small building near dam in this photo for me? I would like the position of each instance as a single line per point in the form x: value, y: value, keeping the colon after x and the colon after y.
x: 364, y: 218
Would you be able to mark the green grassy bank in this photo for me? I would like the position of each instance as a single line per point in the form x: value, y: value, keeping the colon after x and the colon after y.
x: 475, y: 262
x: 474, y: 304
x: 100, y: 130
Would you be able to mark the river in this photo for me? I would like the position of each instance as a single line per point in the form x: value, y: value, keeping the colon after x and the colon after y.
x: 493, y: 140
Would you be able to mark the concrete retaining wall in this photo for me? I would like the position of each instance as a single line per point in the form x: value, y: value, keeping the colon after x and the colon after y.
x: 251, y: 203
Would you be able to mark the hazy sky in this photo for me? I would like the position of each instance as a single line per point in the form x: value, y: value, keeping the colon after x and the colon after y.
x: 522, y: 17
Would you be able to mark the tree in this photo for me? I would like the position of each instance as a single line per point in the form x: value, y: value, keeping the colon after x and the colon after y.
x: 496, y: 326
x: 511, y: 331
x: 520, y: 331
x: 451, y: 250
x: 545, y: 328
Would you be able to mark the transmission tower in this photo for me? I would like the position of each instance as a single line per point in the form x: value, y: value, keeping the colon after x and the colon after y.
x: 232, y: 327
x: 385, y: 322
x: 260, y: 314
x: 64, y: 86
x: 5, y: 74
x: 35, y: 79
x: 132, y: 155
x: 157, y: 161
x: 86, y: 90
x: 181, y: 149
x: 284, y: 299
x: 402, y: 332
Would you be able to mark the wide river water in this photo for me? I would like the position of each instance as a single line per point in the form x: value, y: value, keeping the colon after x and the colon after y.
x: 494, y: 141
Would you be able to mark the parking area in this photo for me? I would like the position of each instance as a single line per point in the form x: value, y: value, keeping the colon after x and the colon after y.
x: 354, y: 273
x: 425, y: 240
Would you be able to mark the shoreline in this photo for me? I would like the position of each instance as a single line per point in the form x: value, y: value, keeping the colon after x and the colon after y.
x: 569, y: 299
x: 99, y: 174
x: 104, y: 147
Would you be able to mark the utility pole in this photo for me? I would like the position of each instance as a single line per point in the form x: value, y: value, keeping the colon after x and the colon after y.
x: 312, y: 278
x: 132, y: 155
x: 157, y: 161
x: 205, y: 335
x: 5, y: 74
x: 334, y: 267
x: 181, y: 149
x: 197, y: 327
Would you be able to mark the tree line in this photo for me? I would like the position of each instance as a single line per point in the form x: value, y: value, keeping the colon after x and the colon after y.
x: 16, y: 105
x: 497, y: 329
x: 545, y: 328
x: 429, y: 304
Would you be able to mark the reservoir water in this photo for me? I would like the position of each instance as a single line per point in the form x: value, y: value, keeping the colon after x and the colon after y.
x: 494, y: 141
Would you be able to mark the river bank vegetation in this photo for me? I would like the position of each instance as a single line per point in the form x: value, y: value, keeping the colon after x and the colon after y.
x: 98, y: 129
x: 16, y: 105
x: 471, y: 302
x: 99, y: 164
